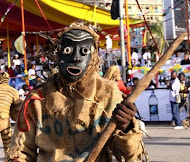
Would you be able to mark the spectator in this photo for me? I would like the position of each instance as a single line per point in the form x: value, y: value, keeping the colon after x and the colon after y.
x: 32, y: 76
x: 10, y: 71
x: 143, y: 62
x: 23, y: 92
x: 174, y: 87
x: 177, y: 58
x: 18, y: 70
x: 182, y: 50
x: 16, y: 61
x: 186, y: 60
x: 119, y: 65
x: 135, y: 81
x: 146, y: 55
x: 154, y: 56
x: 135, y: 57
x: 183, y: 94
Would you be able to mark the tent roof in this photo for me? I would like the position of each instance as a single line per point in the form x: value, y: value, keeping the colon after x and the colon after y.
x: 60, y: 13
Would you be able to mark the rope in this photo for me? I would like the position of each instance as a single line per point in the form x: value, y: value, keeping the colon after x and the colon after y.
x: 87, y: 99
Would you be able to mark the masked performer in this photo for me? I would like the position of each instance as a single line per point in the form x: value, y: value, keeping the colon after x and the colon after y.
x: 9, y: 105
x: 65, y: 116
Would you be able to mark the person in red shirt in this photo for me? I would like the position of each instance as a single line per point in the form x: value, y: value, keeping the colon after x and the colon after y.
x: 113, y: 73
x: 10, y: 71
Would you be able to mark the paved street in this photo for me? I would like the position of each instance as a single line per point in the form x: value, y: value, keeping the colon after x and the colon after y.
x: 166, y: 145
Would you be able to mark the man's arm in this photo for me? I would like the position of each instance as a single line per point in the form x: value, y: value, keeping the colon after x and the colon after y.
x: 127, y: 141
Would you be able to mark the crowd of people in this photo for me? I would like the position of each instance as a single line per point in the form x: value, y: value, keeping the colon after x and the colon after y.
x: 149, y: 56
x: 179, y: 98
x: 142, y: 57
x: 41, y: 63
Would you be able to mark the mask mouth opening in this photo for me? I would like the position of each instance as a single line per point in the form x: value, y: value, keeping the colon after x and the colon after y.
x: 73, y: 70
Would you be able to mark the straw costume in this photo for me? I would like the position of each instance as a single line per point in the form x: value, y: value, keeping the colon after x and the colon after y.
x: 65, y: 116
x: 113, y: 73
x: 9, y: 105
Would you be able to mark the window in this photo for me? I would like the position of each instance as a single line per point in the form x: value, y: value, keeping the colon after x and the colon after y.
x: 101, y: 5
x: 129, y: 7
x: 147, y: 8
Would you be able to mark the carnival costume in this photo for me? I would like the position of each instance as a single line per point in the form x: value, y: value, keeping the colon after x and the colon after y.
x: 65, y: 116
x: 9, y: 105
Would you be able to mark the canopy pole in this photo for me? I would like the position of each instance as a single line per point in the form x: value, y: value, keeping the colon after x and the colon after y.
x: 122, y: 41
x: 8, y: 47
x: 128, y: 33
x: 148, y: 27
x: 24, y: 47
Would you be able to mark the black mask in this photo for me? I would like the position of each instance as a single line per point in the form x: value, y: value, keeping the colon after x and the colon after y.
x: 75, y: 54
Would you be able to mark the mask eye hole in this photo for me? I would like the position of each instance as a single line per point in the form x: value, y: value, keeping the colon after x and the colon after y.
x: 85, y: 51
x: 67, y: 50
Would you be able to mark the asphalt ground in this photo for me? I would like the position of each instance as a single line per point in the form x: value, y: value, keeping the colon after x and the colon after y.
x: 165, y: 145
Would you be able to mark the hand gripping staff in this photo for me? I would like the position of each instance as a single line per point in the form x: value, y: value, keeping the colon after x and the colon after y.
x: 140, y: 87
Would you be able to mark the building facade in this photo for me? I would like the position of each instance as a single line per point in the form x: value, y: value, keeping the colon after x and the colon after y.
x: 152, y: 9
x: 105, y: 4
x: 175, y: 18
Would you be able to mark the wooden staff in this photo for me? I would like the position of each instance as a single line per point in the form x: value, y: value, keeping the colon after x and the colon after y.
x: 140, y: 87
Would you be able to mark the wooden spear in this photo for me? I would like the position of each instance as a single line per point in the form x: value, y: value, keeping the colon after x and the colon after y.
x: 140, y: 87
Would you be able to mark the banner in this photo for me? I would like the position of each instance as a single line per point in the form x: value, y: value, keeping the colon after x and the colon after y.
x: 16, y: 82
x: 160, y: 111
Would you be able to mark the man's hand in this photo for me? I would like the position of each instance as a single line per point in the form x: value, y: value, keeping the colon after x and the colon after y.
x: 123, y: 114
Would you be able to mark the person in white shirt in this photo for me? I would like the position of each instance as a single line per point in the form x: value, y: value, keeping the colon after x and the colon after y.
x: 16, y: 61
x: 23, y: 92
x: 109, y: 54
x: 174, y: 87
x: 177, y: 58
x: 135, y: 57
x: 147, y: 58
